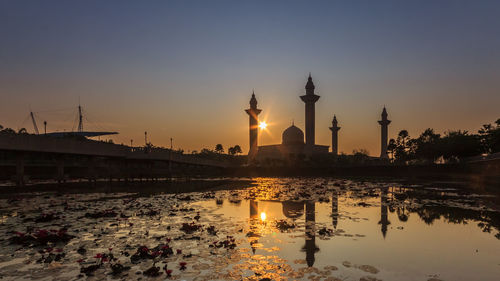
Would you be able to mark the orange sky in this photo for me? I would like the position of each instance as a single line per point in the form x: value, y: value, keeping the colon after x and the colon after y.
x: 187, y: 71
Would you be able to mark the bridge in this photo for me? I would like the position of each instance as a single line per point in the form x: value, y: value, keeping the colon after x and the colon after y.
x: 25, y: 156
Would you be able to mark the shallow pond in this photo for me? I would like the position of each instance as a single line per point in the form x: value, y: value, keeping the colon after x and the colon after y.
x: 276, y: 229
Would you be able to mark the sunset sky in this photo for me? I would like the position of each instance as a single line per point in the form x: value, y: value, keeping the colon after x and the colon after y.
x: 186, y: 69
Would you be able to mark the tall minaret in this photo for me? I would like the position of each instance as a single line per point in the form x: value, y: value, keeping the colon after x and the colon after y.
x: 335, y: 136
x: 253, y: 113
x: 310, y: 99
x: 384, y: 123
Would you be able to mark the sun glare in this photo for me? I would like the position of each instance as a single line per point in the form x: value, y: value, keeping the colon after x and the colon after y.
x: 263, y: 216
x: 262, y: 125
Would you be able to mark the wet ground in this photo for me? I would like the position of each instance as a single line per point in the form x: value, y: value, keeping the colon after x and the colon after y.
x: 276, y: 229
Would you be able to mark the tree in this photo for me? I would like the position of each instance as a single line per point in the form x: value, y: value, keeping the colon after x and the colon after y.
x: 428, y: 145
x: 404, y: 147
x: 360, y: 152
x: 237, y: 149
x: 391, y: 148
x: 490, y: 137
x: 460, y: 144
x: 22, y: 131
x: 219, y: 148
x: 234, y: 150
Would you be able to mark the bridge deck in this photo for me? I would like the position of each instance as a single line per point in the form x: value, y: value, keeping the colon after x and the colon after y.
x: 46, y: 144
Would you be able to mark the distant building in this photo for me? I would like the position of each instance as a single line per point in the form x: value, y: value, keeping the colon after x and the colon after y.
x: 253, y: 113
x: 384, y: 124
x: 292, y: 145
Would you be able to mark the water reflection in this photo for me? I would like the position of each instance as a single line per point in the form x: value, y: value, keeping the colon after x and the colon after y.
x: 384, y: 222
x: 253, y: 233
x: 428, y: 205
x: 298, y: 229
x: 310, y: 233
x: 335, y: 209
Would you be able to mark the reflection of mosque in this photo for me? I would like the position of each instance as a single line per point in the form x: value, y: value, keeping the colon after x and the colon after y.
x: 310, y: 247
x: 294, y: 210
x: 253, y: 234
x: 291, y: 210
x: 384, y: 221
x: 335, y: 209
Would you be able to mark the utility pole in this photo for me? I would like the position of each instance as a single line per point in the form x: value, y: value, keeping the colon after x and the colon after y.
x: 131, y: 143
x: 145, y: 138
x: 80, y: 119
x: 45, y: 126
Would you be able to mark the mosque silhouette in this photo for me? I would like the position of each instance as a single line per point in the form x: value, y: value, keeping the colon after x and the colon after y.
x: 292, y: 146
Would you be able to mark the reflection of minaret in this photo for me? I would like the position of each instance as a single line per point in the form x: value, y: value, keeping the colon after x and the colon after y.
x: 335, y: 136
x: 384, y: 123
x: 254, y: 209
x: 383, y: 211
x: 253, y: 112
x: 335, y: 209
x: 310, y: 99
x: 254, y: 215
x: 310, y: 248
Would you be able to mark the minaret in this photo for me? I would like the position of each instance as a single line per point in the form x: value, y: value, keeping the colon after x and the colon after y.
x: 384, y: 123
x: 310, y: 99
x: 253, y: 113
x: 335, y: 134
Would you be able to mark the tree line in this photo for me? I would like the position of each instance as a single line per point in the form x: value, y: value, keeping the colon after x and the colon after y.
x: 452, y: 146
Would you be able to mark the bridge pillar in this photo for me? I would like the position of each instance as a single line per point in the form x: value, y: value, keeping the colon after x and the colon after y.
x: 91, y: 169
x: 60, y: 169
x: 20, y: 169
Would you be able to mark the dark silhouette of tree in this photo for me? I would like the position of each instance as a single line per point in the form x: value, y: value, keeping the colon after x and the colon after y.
x: 235, y: 150
x: 460, y: 144
x: 360, y: 152
x: 391, y: 148
x: 206, y: 151
x: 490, y: 137
x: 8, y: 131
x: 428, y: 146
x: 219, y: 148
x: 22, y: 131
x: 404, y: 147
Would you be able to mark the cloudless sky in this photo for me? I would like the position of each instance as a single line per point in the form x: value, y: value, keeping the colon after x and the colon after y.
x: 186, y: 69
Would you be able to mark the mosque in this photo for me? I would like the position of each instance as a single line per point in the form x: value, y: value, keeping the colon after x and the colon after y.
x: 292, y: 146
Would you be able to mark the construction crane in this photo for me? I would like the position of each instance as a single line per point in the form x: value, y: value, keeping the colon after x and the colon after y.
x: 34, y: 122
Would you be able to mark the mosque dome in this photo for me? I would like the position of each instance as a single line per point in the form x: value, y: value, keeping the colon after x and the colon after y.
x: 293, y: 210
x: 293, y: 135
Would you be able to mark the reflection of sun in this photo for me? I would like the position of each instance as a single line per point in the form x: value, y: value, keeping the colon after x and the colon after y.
x: 263, y: 216
x: 262, y: 125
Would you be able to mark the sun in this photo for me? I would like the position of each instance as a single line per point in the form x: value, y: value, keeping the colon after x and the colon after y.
x: 263, y: 216
x: 262, y: 125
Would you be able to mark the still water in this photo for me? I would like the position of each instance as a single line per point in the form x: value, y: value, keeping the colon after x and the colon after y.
x: 276, y: 229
